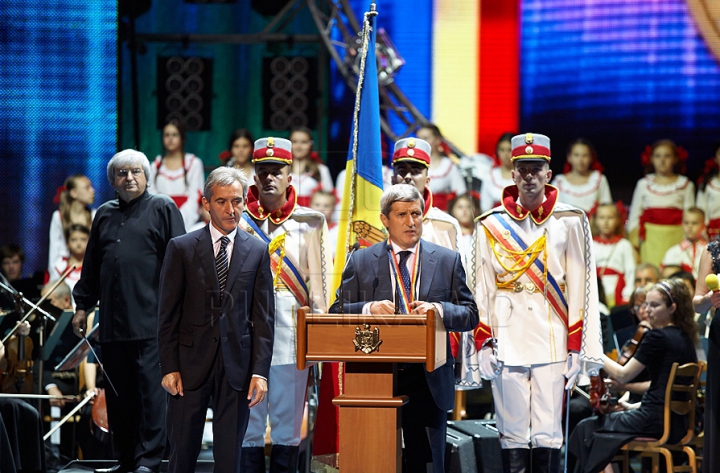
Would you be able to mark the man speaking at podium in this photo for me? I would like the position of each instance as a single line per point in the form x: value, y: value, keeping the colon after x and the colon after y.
x: 407, y: 275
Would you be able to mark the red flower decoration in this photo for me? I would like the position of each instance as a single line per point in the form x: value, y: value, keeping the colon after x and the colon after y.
x: 315, y: 157
x: 622, y: 212
x: 58, y: 194
x: 682, y: 154
x: 225, y: 156
x: 710, y: 165
x: 445, y: 149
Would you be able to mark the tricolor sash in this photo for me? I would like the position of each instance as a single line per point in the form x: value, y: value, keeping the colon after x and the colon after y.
x: 282, y: 267
x: 509, y: 239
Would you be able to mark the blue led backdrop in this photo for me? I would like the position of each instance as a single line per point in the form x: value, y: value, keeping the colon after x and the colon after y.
x: 58, y: 108
x: 622, y: 74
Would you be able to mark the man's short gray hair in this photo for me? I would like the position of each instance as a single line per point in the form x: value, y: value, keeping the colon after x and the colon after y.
x: 128, y: 157
x: 225, y: 176
x: 63, y: 290
x: 399, y: 193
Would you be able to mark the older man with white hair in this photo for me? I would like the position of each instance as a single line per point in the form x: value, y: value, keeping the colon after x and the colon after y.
x: 122, y: 270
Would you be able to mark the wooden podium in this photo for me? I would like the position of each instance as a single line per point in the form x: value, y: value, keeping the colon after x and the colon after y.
x: 370, y: 345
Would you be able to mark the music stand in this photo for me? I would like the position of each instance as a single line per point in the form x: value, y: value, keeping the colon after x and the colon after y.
x: 77, y: 354
x: 57, y: 334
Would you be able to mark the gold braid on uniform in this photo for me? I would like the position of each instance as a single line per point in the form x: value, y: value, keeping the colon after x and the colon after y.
x: 278, y: 243
x: 517, y: 266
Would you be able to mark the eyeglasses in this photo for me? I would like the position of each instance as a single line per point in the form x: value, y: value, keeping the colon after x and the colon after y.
x: 123, y: 173
x: 636, y: 308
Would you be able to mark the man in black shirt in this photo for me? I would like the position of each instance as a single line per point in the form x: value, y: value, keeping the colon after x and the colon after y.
x: 122, y: 270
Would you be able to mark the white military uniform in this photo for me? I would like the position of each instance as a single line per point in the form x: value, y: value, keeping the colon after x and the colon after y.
x: 443, y: 229
x: 305, y: 245
x: 533, y: 340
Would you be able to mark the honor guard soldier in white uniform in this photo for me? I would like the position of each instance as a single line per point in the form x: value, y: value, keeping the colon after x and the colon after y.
x: 536, y: 289
x: 297, y: 239
x: 411, y: 161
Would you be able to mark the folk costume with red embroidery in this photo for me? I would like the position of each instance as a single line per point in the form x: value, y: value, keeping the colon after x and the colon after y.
x: 615, y: 261
x: 297, y: 239
x: 183, y: 185
x: 656, y: 210
x: 708, y: 195
x: 533, y: 275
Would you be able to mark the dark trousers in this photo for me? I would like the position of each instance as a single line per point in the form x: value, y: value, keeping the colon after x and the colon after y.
x: 137, y: 413
x: 424, y: 424
x: 711, y: 455
x: 21, y: 442
x: 186, y: 420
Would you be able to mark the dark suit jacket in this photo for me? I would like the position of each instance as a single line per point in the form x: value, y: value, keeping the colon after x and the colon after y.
x: 192, y: 321
x: 442, y: 279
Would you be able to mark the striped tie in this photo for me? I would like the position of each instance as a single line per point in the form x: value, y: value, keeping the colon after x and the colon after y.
x: 405, y: 276
x: 221, y: 263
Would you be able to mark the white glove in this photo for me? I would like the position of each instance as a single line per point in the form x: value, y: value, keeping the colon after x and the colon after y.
x: 488, y: 363
x: 572, y: 369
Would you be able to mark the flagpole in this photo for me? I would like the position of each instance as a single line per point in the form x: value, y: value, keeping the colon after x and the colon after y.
x: 356, y: 118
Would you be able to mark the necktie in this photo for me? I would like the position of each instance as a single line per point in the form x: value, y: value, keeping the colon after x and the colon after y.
x: 221, y: 263
x: 405, y: 276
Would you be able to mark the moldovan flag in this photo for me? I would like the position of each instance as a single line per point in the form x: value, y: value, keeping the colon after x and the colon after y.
x: 360, y: 206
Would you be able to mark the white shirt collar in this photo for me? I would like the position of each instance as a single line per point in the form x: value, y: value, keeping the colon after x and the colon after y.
x: 397, y: 249
x: 216, y: 234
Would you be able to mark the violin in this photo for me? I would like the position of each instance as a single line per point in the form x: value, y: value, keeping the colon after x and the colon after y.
x: 16, y: 368
x: 630, y: 347
x: 601, y: 399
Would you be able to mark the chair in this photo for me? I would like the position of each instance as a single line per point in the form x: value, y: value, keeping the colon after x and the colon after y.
x: 650, y: 447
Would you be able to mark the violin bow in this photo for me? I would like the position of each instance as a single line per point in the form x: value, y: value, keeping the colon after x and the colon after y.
x: 70, y: 414
x: 107, y: 377
x: 35, y: 307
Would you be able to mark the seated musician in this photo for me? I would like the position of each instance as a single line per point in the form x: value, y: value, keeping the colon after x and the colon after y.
x: 12, y: 258
x: 20, y: 431
x: 672, y: 339
x: 59, y: 383
x: 630, y: 393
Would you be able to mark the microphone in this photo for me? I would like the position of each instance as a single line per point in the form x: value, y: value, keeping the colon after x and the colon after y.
x: 711, y: 281
x: 355, y: 247
x: 397, y: 299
